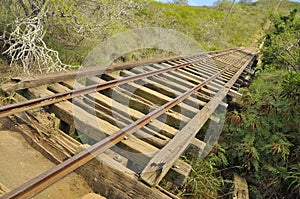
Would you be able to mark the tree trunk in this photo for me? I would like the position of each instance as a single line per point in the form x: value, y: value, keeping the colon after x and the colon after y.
x: 230, y: 10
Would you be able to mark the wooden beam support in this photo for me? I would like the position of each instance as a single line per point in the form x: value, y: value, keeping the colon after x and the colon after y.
x: 115, y: 181
x: 196, y: 147
x: 165, y: 90
x: 235, y: 94
x: 159, y: 165
x: 96, y: 128
x: 120, y: 95
x: 163, y: 160
x: 156, y: 97
x: 18, y: 83
x: 179, y: 173
x: 64, y: 111
x: 124, y: 110
x: 215, y: 118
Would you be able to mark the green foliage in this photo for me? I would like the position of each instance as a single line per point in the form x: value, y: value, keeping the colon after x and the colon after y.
x: 4, y: 99
x: 75, y: 27
x: 266, y: 140
x: 208, y: 25
x: 294, y: 180
x: 282, y: 44
x: 265, y: 144
x: 291, y: 88
x: 205, y: 180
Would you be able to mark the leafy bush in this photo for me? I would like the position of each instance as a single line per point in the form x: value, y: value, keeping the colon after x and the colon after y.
x: 205, y: 180
x: 282, y: 45
x: 265, y: 142
x: 291, y: 89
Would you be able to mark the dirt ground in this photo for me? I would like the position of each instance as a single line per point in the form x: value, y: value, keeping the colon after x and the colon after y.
x: 19, y: 162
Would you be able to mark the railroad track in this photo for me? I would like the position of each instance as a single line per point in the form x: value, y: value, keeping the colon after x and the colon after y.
x: 138, y: 118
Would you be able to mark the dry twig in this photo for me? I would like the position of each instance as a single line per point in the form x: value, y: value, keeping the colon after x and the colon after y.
x: 26, y: 46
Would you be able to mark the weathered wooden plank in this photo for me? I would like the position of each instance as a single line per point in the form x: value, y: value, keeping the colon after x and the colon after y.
x: 235, y: 94
x: 179, y: 173
x: 104, y: 175
x: 175, y: 85
x: 198, y: 143
x: 163, y: 160
x: 117, y: 157
x: 157, y: 98
x: 172, y: 118
x: 200, y: 75
x: 150, y: 82
x: 215, y: 118
x: 115, y: 181
x: 203, y: 68
x: 120, y: 95
x: 192, y: 78
x: 115, y: 106
x: 93, y: 126
x: 139, y: 159
x: 105, y: 113
x: 146, y: 134
x: 250, y: 71
x: 220, y: 64
x: 18, y: 83
x: 207, y: 69
x: 180, y: 80
x: 196, y: 147
x: 189, y: 71
x: 36, y: 139
x: 163, y: 89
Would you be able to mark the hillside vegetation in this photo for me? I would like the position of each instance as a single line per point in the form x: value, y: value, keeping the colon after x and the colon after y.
x: 263, y: 139
x: 73, y: 28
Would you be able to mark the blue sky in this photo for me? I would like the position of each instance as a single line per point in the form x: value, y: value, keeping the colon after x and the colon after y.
x: 196, y: 2
x: 203, y: 2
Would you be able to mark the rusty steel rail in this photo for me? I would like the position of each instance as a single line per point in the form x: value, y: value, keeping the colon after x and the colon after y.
x: 18, y: 83
x: 51, y: 176
x: 51, y: 99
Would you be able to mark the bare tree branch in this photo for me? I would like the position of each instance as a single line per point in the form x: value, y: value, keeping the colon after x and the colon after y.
x: 29, y: 48
x: 21, y: 2
x: 230, y: 10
